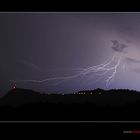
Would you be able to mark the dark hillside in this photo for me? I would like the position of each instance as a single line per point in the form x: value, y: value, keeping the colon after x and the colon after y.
x: 98, y: 104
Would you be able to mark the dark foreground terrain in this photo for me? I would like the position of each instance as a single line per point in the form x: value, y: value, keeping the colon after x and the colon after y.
x: 96, y: 105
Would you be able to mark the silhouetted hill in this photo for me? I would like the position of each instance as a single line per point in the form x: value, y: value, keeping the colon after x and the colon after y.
x: 19, y: 96
x: 98, y: 96
x: 98, y: 104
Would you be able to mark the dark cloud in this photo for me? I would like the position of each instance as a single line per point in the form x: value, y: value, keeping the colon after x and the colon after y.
x: 137, y: 70
x: 131, y: 60
x: 118, y: 47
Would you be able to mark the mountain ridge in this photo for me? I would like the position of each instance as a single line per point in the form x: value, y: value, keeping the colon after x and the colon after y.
x: 19, y: 96
x: 101, y: 105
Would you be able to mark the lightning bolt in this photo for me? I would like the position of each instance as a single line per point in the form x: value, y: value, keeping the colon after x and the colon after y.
x: 110, y: 78
x: 99, y: 70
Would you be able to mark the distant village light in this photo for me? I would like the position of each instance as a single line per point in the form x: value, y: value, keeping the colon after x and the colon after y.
x: 14, y: 86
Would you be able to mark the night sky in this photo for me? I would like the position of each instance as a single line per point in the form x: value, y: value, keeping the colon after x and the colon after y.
x: 58, y: 52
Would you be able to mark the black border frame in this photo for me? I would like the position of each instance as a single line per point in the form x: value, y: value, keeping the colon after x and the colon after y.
x: 70, y: 129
